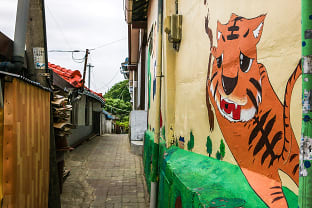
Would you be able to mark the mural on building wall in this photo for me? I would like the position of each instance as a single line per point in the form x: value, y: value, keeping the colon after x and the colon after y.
x: 255, y: 124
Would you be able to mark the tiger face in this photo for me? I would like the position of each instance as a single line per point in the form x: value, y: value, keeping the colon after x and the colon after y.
x: 235, y: 81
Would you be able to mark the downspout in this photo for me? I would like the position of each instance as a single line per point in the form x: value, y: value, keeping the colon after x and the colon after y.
x: 20, y: 31
x: 19, y: 39
x: 305, y: 171
x: 155, y: 174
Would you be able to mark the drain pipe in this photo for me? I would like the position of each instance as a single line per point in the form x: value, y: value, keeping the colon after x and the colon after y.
x: 20, y: 31
x: 19, y: 38
x: 305, y: 169
x: 155, y: 174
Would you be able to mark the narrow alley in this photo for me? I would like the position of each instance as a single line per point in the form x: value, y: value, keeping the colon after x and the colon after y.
x: 104, y: 173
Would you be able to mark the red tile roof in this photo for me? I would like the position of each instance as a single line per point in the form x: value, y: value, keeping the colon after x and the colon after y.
x: 72, y: 77
x: 98, y: 94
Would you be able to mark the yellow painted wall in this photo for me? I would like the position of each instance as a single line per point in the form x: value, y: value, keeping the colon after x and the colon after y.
x: 184, y: 83
x: 152, y: 35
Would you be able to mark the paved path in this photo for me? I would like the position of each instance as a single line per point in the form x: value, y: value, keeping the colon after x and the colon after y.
x: 104, y: 174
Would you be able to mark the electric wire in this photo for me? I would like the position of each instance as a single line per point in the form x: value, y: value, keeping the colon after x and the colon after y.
x: 92, y: 76
x: 59, y: 27
x: 78, y: 60
x: 107, y: 44
x: 107, y: 84
x: 117, y: 108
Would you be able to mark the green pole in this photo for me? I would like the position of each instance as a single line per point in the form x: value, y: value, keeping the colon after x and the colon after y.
x: 155, y: 173
x: 305, y: 174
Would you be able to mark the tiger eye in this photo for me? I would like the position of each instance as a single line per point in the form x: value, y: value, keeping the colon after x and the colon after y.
x: 245, y: 62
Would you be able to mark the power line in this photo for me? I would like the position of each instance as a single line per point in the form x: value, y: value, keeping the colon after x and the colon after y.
x: 117, y: 108
x: 109, y: 43
x: 122, y: 92
x: 78, y: 60
x: 107, y: 85
x: 62, y: 51
x: 93, y: 78
x: 59, y: 27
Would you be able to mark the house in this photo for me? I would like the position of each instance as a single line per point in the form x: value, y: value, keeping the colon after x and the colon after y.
x: 77, y: 113
x: 106, y: 122
x: 213, y: 76
x: 86, y: 104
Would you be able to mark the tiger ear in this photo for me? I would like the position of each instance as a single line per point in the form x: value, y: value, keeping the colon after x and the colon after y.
x: 233, y: 17
x: 257, y: 27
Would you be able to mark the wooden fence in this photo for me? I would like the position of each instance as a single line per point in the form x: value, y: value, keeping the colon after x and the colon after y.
x: 26, y: 143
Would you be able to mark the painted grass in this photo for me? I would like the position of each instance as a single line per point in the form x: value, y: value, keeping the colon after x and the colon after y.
x: 209, y: 179
x: 201, y: 181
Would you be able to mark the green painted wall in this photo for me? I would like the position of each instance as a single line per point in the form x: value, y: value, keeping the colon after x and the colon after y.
x: 201, y: 181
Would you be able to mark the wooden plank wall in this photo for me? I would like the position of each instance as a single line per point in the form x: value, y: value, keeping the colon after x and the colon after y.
x: 26, y: 144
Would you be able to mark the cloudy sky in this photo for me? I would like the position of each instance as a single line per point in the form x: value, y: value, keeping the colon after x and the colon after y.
x: 78, y: 25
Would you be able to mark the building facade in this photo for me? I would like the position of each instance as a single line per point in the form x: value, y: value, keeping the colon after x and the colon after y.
x: 230, y: 92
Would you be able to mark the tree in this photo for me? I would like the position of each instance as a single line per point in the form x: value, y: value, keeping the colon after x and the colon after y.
x: 222, y: 149
x: 117, y: 102
x: 209, y: 146
x: 190, y: 143
x: 221, y: 153
x: 119, y: 91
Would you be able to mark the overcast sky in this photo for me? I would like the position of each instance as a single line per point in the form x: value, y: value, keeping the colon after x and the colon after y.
x: 78, y: 25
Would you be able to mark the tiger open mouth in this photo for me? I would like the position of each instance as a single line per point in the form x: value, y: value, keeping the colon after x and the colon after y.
x: 235, y: 112
x: 232, y: 109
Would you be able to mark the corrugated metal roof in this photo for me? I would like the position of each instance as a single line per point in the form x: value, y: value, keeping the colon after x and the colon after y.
x: 107, y: 114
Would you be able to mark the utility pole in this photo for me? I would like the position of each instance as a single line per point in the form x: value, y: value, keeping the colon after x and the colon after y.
x: 305, y: 170
x: 89, y: 75
x: 85, y: 67
x: 36, y: 43
x: 38, y: 71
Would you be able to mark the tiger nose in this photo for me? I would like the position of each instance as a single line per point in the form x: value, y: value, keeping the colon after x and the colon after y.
x: 229, y: 84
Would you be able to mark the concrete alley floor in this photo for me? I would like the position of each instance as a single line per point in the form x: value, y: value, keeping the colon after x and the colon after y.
x: 104, y: 173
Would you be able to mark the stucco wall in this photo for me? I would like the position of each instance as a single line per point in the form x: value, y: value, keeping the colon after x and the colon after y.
x: 81, y: 105
x: 97, y: 106
x: 79, y: 134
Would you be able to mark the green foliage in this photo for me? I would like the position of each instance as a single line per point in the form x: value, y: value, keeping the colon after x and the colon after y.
x: 218, y: 155
x: 117, y: 102
x: 190, y: 143
x: 222, y: 149
x: 119, y: 91
x: 221, y: 152
x: 118, y: 107
x: 209, y: 146
x: 124, y: 124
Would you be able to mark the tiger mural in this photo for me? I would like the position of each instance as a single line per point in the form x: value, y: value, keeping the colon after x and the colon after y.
x: 253, y: 121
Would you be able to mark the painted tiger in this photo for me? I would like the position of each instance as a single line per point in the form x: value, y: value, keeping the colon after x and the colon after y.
x: 253, y: 121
